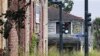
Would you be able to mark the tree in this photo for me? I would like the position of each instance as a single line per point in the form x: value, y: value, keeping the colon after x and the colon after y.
x: 96, y: 26
x: 13, y: 14
x: 13, y: 40
x: 67, y: 8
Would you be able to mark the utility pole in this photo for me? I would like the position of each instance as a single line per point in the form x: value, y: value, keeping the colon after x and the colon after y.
x: 60, y: 29
x: 60, y: 4
x: 87, y: 24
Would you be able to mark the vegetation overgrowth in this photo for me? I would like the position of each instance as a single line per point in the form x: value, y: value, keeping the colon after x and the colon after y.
x: 53, y: 51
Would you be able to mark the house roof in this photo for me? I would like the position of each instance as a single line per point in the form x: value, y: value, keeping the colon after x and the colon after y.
x: 53, y: 14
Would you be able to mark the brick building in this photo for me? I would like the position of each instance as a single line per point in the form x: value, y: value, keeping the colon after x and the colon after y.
x: 35, y: 21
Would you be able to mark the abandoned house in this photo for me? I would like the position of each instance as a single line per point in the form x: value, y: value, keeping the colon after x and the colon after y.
x: 73, y: 24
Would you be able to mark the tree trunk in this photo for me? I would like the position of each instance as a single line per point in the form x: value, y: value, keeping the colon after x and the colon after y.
x: 13, y: 36
x: 27, y: 32
x: 13, y: 41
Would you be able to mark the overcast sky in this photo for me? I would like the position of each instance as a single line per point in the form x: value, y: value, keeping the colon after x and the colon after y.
x: 94, y: 8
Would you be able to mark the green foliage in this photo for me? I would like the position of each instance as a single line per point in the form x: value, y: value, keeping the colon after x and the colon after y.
x: 49, y: 4
x: 33, y: 44
x: 1, y: 22
x: 96, y: 26
x: 97, y: 21
x: 69, y: 6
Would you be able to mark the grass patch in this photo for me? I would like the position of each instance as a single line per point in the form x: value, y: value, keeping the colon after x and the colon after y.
x: 94, y: 53
x: 53, y: 51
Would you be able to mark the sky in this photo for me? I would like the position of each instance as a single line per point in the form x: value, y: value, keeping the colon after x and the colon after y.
x: 94, y: 8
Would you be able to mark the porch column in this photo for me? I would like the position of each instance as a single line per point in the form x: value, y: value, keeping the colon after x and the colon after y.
x: 71, y: 28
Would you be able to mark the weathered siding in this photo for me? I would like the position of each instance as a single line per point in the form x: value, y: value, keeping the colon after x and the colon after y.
x: 76, y: 28
x: 51, y: 28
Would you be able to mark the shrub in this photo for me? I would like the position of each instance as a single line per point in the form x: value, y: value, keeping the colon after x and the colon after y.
x: 33, y: 44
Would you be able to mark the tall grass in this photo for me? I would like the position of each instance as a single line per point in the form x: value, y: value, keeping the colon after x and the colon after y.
x: 53, y: 51
x: 94, y: 53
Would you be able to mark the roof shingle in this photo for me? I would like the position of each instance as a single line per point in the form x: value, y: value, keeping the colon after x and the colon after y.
x: 53, y: 14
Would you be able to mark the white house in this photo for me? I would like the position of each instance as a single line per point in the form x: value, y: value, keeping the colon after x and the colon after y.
x: 74, y: 25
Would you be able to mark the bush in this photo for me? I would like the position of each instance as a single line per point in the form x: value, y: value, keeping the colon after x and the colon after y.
x: 33, y: 44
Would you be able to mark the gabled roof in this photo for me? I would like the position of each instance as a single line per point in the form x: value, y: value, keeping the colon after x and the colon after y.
x: 53, y: 14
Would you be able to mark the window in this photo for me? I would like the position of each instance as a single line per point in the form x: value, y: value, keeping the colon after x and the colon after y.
x: 37, y: 13
x: 77, y: 27
x: 57, y: 27
x: 67, y: 25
